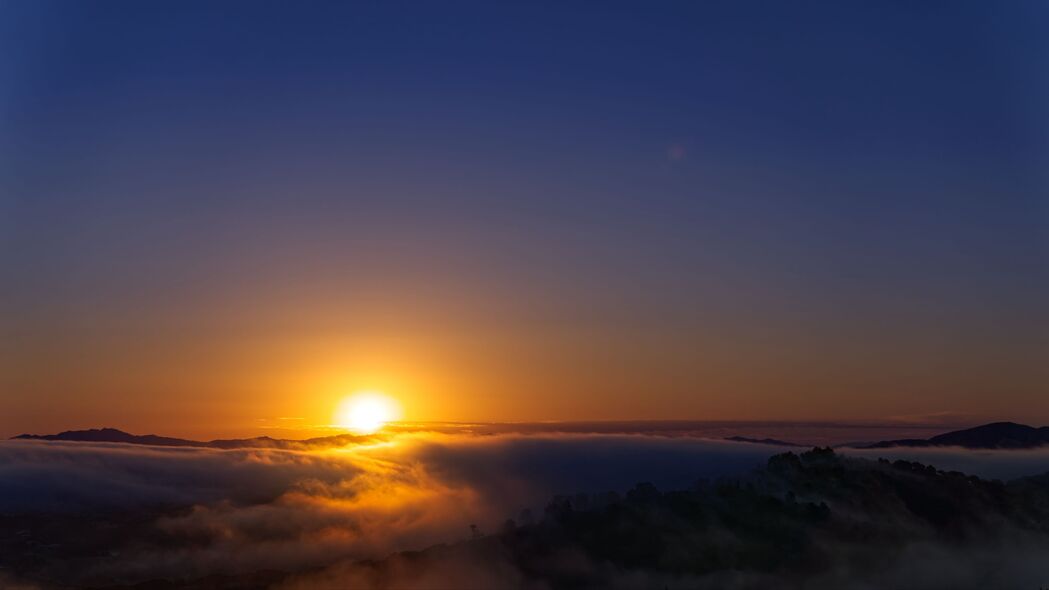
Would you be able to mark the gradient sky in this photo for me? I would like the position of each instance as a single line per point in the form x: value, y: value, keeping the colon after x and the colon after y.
x: 217, y: 217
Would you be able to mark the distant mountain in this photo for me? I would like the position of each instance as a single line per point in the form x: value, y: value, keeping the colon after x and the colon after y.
x: 998, y: 435
x: 113, y: 435
x: 762, y: 441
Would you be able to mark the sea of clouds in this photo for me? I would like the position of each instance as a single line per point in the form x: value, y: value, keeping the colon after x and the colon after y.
x: 245, y: 509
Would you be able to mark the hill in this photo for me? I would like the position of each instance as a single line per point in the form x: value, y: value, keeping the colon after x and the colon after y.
x: 113, y: 435
x: 762, y: 441
x: 997, y: 435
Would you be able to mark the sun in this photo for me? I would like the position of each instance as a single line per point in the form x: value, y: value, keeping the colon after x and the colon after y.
x: 366, y: 412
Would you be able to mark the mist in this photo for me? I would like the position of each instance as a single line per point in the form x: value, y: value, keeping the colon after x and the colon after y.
x: 201, y: 511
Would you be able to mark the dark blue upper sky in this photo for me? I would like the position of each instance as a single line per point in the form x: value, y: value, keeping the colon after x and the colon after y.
x: 732, y: 203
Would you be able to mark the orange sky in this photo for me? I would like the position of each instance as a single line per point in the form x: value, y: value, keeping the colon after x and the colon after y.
x: 285, y: 360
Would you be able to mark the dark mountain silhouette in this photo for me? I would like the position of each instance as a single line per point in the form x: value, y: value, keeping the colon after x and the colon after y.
x: 998, y: 435
x: 113, y: 435
x: 762, y: 441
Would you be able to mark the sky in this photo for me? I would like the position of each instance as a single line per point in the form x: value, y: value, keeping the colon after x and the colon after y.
x: 222, y: 218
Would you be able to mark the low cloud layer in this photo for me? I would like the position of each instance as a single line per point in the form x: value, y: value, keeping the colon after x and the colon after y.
x: 213, y: 511
x: 252, y: 508
x: 988, y: 464
x: 74, y: 476
x: 516, y: 468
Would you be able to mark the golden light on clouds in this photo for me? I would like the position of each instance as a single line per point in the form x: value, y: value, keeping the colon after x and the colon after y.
x: 366, y: 412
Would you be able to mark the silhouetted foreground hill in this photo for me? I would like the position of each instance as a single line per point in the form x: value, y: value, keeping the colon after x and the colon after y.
x: 815, y: 520
x: 113, y: 435
x: 998, y: 435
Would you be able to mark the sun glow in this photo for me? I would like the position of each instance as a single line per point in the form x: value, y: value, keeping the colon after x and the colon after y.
x: 366, y: 412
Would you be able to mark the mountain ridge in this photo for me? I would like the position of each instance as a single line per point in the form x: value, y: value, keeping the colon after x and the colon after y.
x: 763, y: 441
x: 114, y: 435
x: 994, y: 435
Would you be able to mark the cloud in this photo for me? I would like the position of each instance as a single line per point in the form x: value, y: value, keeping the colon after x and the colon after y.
x: 989, y: 464
x: 76, y: 476
x: 517, y: 468
x: 210, y: 511
x: 249, y: 508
